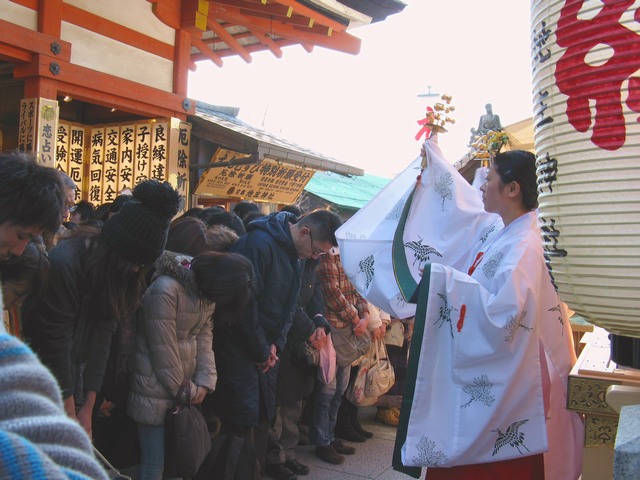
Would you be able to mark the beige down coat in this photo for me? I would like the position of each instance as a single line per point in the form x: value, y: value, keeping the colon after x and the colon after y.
x: 173, y: 341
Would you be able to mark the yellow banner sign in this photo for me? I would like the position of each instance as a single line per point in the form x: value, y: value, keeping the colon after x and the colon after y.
x: 267, y: 181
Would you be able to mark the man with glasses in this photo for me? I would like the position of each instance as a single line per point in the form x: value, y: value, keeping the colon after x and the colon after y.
x: 247, y: 352
x: 51, y: 238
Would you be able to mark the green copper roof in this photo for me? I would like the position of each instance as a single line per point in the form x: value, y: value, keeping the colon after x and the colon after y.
x: 347, y: 192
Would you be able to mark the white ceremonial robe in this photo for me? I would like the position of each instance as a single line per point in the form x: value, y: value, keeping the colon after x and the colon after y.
x: 491, y: 351
x: 435, y: 235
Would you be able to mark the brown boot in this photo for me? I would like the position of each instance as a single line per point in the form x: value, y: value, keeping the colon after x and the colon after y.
x: 340, y: 447
x: 328, y: 454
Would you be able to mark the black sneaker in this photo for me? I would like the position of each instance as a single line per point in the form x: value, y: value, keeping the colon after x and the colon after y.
x: 340, y: 447
x: 296, y: 467
x: 328, y: 454
x: 279, y: 472
x: 358, y: 428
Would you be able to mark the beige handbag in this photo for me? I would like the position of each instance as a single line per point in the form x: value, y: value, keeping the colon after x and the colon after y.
x: 395, y: 334
x: 380, y: 377
x: 356, y: 392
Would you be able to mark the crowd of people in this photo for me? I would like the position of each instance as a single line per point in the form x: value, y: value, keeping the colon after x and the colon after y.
x: 124, y: 302
x: 112, y: 312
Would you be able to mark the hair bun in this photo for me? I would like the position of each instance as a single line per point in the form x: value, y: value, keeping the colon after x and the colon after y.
x: 159, y: 197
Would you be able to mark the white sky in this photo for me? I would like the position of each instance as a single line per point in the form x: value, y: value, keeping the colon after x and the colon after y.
x: 363, y: 110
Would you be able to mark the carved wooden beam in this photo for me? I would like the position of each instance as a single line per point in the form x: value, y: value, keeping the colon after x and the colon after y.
x: 206, y: 51
x: 266, y: 40
x: 229, y: 40
x: 317, y: 35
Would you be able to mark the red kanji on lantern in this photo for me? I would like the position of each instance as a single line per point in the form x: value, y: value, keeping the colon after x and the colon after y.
x: 583, y: 82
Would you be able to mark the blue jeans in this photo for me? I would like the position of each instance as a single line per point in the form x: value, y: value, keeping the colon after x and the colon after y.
x: 151, y: 438
x: 326, y: 402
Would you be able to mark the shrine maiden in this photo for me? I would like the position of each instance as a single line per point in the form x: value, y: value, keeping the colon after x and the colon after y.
x: 492, y: 344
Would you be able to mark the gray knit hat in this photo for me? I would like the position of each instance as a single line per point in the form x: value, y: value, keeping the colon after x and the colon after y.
x: 138, y: 231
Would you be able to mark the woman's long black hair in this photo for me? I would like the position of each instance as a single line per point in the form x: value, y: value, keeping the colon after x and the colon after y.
x: 227, y: 280
x: 116, y: 282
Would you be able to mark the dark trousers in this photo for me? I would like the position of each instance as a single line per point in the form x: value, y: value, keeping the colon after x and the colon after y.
x: 257, y: 434
x: 284, y: 435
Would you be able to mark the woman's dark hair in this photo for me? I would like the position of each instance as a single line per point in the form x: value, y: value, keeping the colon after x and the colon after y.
x: 245, y: 206
x: 226, y: 279
x: 296, y: 210
x: 85, y: 209
x: 228, y: 219
x: 188, y: 235
x: 102, y: 211
x: 30, y: 194
x: 193, y: 212
x: 519, y: 166
x: 117, y: 282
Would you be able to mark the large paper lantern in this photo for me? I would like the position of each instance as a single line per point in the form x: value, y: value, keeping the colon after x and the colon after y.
x: 586, y: 75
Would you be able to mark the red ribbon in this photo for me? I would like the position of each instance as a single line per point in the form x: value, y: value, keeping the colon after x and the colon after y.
x: 463, y: 311
x: 475, y: 264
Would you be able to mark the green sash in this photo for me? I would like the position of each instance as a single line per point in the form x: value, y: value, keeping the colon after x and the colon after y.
x: 408, y: 286
x: 412, y: 374
x: 405, y: 280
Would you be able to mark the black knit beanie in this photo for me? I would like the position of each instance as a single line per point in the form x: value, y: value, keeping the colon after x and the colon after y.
x: 138, y: 231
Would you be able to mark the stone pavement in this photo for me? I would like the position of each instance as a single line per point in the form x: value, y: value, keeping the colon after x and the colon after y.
x: 371, y: 461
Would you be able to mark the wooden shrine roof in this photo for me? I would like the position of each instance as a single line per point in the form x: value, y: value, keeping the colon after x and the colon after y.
x: 242, y: 27
x: 135, y: 64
